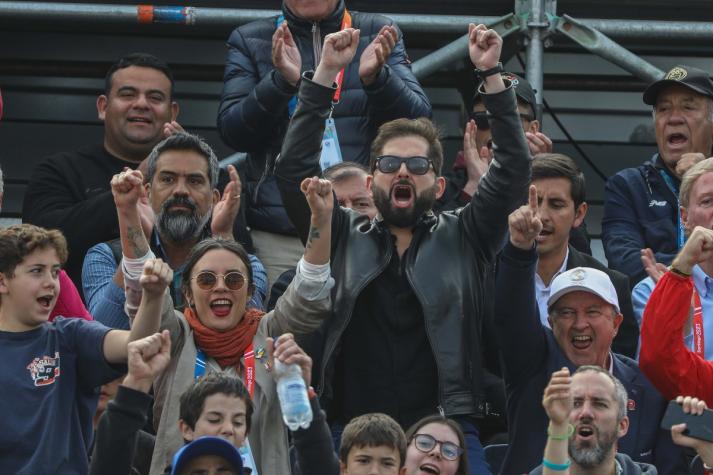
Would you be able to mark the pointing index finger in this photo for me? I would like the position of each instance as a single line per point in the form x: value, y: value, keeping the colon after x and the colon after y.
x: 532, y: 201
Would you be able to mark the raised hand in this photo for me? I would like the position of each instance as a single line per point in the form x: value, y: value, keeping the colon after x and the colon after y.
x: 286, y: 55
x: 147, y: 358
x: 225, y: 210
x: 557, y: 399
x: 172, y: 128
x: 484, y: 46
x: 655, y: 269
x: 339, y: 48
x: 375, y: 55
x: 698, y: 248
x: 319, y: 197
x: 157, y: 275
x: 686, y: 161
x: 286, y: 350
x: 695, y: 406
x: 476, y: 164
x: 127, y: 188
x: 538, y: 143
x: 524, y: 223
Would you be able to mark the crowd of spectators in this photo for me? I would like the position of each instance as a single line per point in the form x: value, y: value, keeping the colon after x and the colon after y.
x: 445, y: 321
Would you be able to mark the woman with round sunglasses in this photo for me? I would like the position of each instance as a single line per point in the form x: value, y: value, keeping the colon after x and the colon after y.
x: 217, y: 332
x: 436, y: 445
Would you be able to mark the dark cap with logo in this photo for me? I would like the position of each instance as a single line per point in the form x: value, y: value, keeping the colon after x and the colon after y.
x: 523, y: 90
x: 694, y: 79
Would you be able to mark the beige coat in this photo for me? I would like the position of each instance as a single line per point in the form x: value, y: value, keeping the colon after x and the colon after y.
x: 268, y: 433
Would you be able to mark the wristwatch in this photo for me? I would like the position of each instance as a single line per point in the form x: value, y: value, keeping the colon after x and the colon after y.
x: 481, y: 74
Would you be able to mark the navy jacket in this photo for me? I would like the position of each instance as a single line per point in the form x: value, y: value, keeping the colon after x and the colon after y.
x: 253, y: 114
x: 640, y: 211
x: 530, y: 356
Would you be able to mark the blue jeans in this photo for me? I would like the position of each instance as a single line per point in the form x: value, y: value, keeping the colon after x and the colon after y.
x: 473, y: 447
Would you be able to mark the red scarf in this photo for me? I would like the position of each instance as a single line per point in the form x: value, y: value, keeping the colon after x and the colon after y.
x: 225, y: 347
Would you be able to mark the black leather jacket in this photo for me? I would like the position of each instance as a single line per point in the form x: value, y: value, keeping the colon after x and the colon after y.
x: 253, y: 114
x: 454, y: 250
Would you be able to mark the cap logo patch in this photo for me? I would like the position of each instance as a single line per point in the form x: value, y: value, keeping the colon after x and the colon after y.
x: 578, y: 275
x: 513, y: 80
x: 677, y: 74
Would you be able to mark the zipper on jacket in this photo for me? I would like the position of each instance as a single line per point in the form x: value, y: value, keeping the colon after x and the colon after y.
x: 316, y: 44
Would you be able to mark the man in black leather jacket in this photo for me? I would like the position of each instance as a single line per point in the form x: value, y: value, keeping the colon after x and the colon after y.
x: 264, y: 63
x: 405, y: 337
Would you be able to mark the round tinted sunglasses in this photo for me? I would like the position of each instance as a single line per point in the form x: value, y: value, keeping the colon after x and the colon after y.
x: 425, y: 443
x: 207, y: 280
x: 481, y: 119
x: 415, y: 165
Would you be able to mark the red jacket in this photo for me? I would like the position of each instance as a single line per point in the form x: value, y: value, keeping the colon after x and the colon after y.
x: 673, y: 368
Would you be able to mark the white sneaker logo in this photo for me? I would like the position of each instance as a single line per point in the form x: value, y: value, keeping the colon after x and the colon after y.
x: 653, y: 203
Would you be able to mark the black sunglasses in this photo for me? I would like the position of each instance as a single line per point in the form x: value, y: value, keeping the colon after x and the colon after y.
x: 415, y: 165
x: 481, y: 119
x: 425, y: 443
x: 207, y: 280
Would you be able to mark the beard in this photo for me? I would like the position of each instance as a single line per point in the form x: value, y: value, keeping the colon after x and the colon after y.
x: 181, y: 226
x: 590, y: 457
x: 403, y: 217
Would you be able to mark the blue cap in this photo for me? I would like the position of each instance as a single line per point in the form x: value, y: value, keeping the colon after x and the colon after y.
x: 207, y: 445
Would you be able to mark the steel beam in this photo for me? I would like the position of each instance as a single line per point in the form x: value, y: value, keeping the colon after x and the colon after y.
x: 599, y: 44
x: 96, y: 15
x: 458, y: 49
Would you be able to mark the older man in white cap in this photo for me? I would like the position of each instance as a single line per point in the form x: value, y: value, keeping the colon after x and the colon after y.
x: 584, y: 316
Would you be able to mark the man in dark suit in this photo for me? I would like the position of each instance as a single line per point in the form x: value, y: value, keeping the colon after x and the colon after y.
x: 585, y: 316
x: 561, y: 208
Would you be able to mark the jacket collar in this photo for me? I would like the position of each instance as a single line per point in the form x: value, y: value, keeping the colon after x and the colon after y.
x: 332, y: 22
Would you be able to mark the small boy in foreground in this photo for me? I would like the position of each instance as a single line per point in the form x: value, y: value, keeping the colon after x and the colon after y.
x: 51, y: 370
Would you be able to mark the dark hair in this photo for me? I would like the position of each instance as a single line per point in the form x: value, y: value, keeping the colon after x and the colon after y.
x: 21, y: 240
x: 557, y: 165
x: 142, y: 60
x: 420, y: 127
x: 343, y: 171
x: 373, y: 430
x: 193, y: 399
x: 454, y: 426
x: 184, y: 141
x: 200, y: 249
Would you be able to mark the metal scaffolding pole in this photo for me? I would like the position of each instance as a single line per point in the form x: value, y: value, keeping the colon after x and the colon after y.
x: 535, y: 51
x: 597, y: 43
x: 458, y: 49
x: 79, y: 14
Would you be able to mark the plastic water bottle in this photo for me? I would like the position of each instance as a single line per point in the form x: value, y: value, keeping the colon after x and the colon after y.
x: 294, y: 402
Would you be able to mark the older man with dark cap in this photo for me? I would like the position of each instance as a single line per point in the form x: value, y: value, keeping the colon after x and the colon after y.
x: 641, y: 204
x: 584, y: 315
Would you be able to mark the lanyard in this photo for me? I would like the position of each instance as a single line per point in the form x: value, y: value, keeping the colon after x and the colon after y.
x: 346, y: 23
x: 698, y: 334
x: 681, y: 238
x: 248, y: 360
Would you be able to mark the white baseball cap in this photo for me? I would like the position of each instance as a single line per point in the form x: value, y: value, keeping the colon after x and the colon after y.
x: 586, y: 279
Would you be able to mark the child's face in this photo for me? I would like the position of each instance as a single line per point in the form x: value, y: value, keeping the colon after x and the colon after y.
x: 379, y: 460
x: 222, y: 416
x: 29, y: 295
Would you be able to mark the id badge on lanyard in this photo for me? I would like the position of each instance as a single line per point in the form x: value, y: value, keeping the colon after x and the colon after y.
x: 681, y: 233
x: 331, y: 153
x: 249, y: 378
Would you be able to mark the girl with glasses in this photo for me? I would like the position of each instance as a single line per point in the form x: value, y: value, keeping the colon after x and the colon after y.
x: 436, y: 445
x: 217, y: 332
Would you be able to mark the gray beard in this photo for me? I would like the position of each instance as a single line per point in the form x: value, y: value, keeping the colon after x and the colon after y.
x: 181, y: 227
x: 593, y: 456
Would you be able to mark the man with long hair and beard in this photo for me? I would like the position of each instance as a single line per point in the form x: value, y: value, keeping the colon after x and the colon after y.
x: 406, y: 333
x: 180, y: 190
